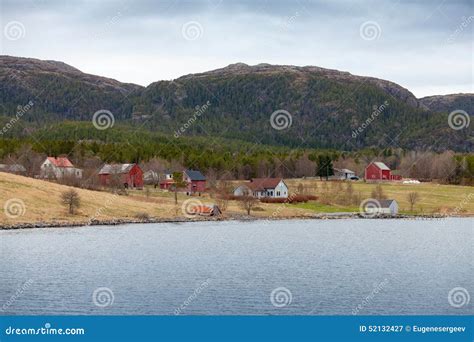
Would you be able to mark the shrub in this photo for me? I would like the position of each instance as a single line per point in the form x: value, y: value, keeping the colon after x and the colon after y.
x: 142, y: 216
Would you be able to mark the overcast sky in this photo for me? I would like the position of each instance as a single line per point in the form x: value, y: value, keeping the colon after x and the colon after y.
x: 425, y: 46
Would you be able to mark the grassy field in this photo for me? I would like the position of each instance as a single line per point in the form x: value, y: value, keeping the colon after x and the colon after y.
x: 26, y: 200
x: 433, y: 198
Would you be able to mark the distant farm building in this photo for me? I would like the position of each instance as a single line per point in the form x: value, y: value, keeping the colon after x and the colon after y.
x: 343, y: 174
x: 263, y: 187
x: 196, y: 181
x: 389, y: 207
x: 126, y: 175
x: 379, y: 171
x: 167, y: 180
x: 151, y: 177
x: 59, y: 168
x: 13, y: 168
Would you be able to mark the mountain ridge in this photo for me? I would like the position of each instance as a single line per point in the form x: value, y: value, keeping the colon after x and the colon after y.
x: 326, y: 104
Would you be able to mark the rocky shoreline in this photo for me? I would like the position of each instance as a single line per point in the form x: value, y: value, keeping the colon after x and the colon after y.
x: 115, y: 222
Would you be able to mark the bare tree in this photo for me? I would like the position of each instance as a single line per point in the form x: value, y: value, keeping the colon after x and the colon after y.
x: 71, y: 199
x: 413, y: 197
x: 378, y: 193
x: 247, y: 201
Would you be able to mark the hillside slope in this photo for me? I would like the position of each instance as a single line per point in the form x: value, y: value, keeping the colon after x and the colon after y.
x: 323, y: 108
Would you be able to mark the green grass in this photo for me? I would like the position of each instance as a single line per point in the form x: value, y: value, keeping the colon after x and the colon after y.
x: 324, y: 208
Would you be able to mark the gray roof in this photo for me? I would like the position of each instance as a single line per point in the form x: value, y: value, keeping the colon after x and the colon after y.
x: 382, y: 166
x: 195, y: 175
x: 386, y: 203
x: 108, y: 169
x: 344, y: 170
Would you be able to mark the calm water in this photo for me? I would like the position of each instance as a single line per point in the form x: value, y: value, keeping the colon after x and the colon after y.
x: 312, y: 267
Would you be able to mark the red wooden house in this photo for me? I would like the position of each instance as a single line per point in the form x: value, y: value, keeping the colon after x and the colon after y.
x: 379, y: 171
x: 195, y: 180
x: 128, y: 175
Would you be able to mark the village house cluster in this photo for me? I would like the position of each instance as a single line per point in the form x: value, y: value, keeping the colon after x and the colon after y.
x: 193, y: 182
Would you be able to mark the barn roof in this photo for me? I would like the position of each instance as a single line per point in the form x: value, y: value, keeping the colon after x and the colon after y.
x: 381, y: 166
x: 263, y: 183
x: 386, y: 203
x: 60, y: 162
x: 108, y: 169
x: 195, y: 175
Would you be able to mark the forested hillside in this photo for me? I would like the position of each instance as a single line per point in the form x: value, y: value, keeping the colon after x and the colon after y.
x: 315, y: 108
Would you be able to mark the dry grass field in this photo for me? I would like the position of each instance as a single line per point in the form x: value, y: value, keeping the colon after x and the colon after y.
x: 27, y: 200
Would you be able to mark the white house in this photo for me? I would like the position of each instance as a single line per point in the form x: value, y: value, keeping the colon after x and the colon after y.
x: 59, y: 168
x: 263, y: 187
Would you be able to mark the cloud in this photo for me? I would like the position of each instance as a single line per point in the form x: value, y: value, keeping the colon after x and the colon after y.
x: 421, y: 45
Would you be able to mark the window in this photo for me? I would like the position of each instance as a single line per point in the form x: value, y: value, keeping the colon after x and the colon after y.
x: 278, y: 193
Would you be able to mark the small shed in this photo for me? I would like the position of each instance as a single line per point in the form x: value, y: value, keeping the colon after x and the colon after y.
x: 389, y: 207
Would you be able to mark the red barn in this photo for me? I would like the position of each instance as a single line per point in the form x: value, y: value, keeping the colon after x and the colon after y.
x: 379, y: 171
x: 195, y: 180
x: 128, y: 175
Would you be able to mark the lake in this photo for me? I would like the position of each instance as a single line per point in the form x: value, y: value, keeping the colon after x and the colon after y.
x: 291, y: 267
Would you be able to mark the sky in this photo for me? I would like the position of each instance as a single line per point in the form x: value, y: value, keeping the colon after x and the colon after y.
x: 425, y: 46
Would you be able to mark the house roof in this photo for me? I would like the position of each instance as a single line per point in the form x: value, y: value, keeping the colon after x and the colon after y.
x: 108, y: 169
x: 258, y: 184
x: 386, y: 203
x: 344, y: 170
x: 381, y: 166
x: 195, y: 175
x: 60, y: 162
